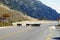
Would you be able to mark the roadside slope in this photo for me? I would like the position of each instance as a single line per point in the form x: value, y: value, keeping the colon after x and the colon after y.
x: 9, y: 15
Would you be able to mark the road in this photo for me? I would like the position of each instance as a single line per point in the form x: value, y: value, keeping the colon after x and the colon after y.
x: 44, y: 32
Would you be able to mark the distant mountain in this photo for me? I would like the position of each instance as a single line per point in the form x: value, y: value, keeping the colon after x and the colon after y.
x: 33, y: 8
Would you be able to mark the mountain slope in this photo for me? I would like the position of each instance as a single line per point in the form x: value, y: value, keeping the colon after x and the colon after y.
x: 12, y: 15
x: 33, y: 8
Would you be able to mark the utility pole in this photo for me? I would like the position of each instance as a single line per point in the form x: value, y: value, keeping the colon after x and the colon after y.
x: 59, y: 22
x: 59, y: 25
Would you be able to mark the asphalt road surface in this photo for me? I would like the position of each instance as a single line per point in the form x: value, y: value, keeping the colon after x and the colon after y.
x: 43, y: 32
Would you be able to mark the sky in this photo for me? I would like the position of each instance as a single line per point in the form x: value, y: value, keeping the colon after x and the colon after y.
x: 55, y: 4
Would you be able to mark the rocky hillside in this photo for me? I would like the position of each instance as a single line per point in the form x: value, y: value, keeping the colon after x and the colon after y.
x: 12, y: 15
x: 7, y: 16
x: 33, y: 8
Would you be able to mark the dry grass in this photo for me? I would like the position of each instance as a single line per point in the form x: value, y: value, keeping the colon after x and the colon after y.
x: 5, y: 24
